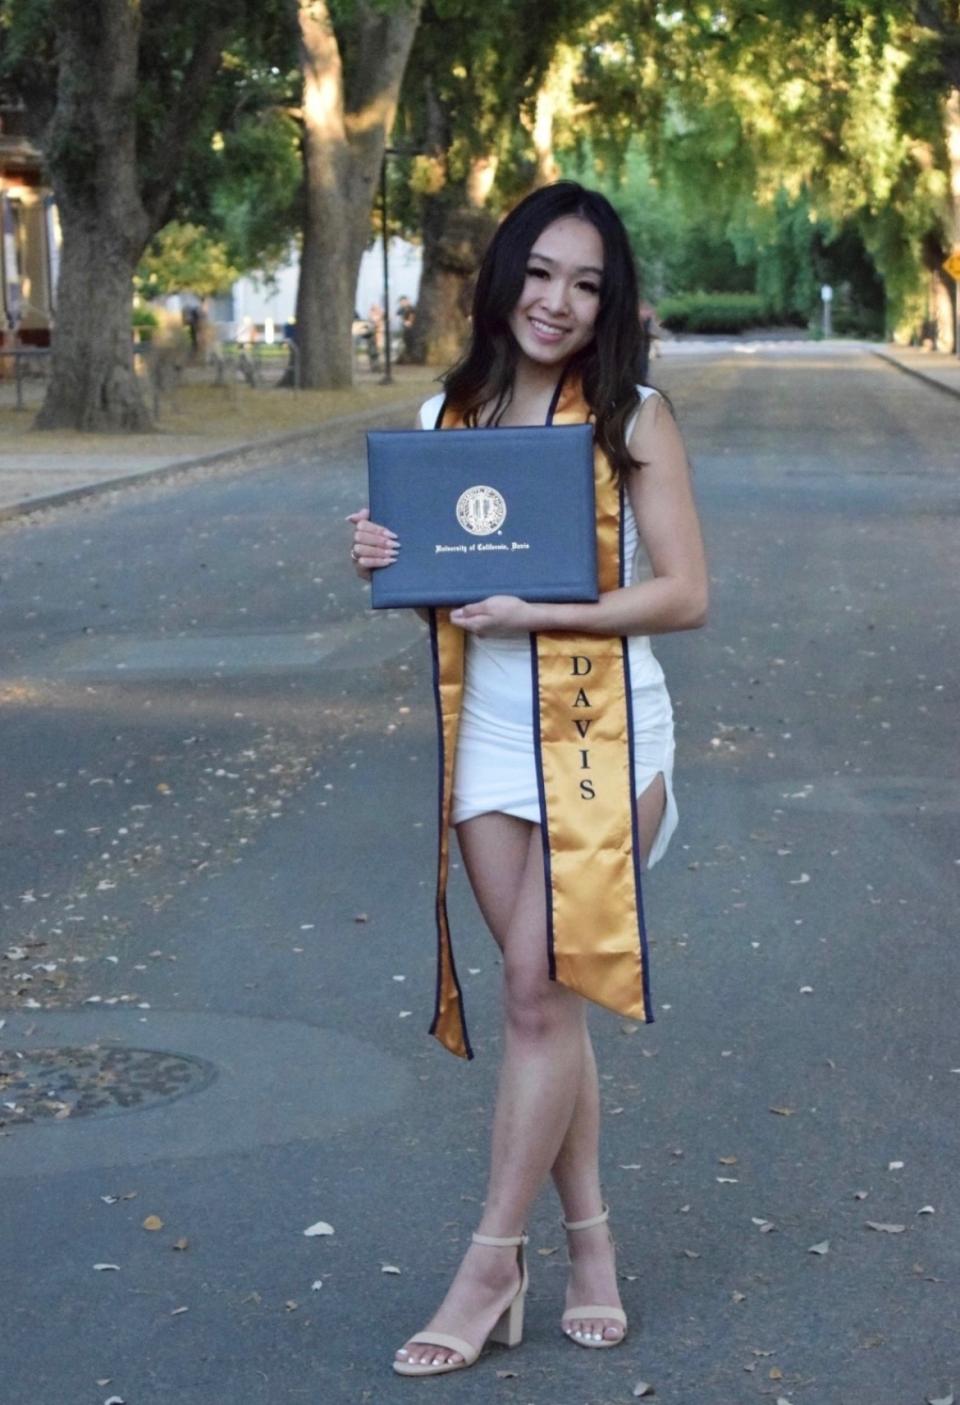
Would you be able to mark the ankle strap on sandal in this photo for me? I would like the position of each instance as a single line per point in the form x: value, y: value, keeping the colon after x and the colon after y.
x: 588, y: 1224
x: 512, y: 1242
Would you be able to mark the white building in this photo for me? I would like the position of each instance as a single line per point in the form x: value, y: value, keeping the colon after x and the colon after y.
x: 262, y: 302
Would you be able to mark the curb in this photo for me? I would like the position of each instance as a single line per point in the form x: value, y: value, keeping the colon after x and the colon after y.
x: 11, y: 511
x: 918, y: 375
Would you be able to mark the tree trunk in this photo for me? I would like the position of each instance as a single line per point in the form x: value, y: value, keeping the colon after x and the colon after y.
x: 455, y: 234
x: 93, y: 385
x: 952, y: 116
x: 92, y: 159
x: 350, y: 88
x: 547, y: 168
x: 456, y: 229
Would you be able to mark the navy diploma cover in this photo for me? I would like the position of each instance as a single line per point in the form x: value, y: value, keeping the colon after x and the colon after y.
x: 483, y: 512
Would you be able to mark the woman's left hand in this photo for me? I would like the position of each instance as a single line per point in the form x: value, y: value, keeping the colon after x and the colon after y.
x: 498, y: 614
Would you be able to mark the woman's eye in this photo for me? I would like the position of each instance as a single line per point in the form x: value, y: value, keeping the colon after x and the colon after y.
x: 589, y: 287
x: 537, y: 273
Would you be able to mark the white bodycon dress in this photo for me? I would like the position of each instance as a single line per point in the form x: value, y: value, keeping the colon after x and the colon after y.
x: 495, y: 766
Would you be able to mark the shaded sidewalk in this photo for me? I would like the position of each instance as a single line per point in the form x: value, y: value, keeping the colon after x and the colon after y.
x: 938, y: 368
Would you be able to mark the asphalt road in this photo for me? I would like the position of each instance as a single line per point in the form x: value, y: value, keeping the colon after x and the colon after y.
x: 217, y: 832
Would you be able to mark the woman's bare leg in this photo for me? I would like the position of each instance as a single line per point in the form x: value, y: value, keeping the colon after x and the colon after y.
x: 503, y: 857
x: 540, y: 1075
x: 576, y: 1171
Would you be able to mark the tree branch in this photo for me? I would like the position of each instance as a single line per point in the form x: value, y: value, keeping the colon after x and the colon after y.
x: 175, y: 137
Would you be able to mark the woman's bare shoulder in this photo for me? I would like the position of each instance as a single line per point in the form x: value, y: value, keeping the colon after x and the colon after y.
x: 429, y: 412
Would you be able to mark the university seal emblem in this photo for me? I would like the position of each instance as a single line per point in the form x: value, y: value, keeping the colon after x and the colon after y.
x: 481, y: 510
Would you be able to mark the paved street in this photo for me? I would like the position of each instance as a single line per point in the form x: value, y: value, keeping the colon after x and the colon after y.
x: 217, y: 813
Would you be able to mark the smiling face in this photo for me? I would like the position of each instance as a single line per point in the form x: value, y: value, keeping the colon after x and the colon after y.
x: 557, y: 309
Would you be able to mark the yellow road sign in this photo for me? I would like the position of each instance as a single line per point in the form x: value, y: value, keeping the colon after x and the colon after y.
x: 952, y: 265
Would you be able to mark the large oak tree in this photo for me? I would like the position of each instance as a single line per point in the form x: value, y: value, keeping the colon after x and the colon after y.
x: 119, y: 135
x: 353, y: 56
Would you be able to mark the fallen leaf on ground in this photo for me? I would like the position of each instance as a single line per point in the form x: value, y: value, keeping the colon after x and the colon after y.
x: 926, y: 1210
x: 894, y: 1165
x: 822, y: 1248
x: 727, y: 1160
x: 389, y: 1268
x: 784, y: 1111
x: 775, y: 1373
x: 940, y: 1399
x: 690, y: 1253
x: 361, y: 917
x: 738, y: 1297
x: 727, y: 1180
x: 643, y: 1388
x: 886, y: 1228
x: 506, y: 1375
x: 180, y: 1244
x: 321, y: 1227
x: 100, y: 1268
x: 177, y: 1311
x: 153, y: 1222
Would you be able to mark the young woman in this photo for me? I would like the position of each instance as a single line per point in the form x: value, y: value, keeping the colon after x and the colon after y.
x: 527, y: 691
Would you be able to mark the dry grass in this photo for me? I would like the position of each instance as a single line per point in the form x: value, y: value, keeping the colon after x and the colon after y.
x: 203, y: 418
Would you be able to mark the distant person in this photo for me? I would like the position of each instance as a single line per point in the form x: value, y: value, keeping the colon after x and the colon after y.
x: 191, y: 320
x: 555, y: 809
x: 406, y: 316
x: 378, y: 320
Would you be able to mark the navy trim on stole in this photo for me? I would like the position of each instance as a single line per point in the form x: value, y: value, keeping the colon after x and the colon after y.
x: 541, y: 792
x: 555, y: 398
x: 634, y: 822
x: 537, y: 753
x: 440, y: 905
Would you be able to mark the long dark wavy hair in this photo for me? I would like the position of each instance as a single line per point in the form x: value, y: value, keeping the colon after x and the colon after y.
x: 609, y: 366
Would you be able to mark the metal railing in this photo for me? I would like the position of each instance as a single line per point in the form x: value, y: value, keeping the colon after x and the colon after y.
x: 27, y: 361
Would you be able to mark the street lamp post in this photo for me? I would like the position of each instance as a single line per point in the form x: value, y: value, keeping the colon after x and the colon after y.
x: 387, y: 377
x: 388, y: 151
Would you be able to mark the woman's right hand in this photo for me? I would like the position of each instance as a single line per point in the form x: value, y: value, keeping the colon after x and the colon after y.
x: 373, y: 545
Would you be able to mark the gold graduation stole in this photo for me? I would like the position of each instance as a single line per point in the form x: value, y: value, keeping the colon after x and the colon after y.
x: 583, y: 729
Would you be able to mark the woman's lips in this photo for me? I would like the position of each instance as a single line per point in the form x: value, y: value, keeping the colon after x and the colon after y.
x: 546, y: 331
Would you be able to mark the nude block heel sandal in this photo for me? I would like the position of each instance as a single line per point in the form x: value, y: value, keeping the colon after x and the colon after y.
x: 592, y: 1310
x: 507, y: 1330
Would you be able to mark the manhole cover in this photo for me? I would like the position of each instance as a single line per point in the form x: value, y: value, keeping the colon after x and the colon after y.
x: 39, y: 1085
